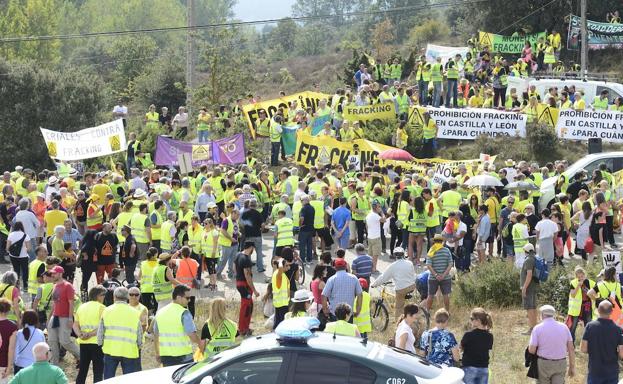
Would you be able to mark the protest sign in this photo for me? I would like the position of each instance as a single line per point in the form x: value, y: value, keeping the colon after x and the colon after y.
x: 384, y: 111
x: 469, y: 123
x: 599, y: 35
x: 304, y: 100
x: 434, y: 51
x: 229, y: 150
x: 442, y: 173
x: 507, y: 44
x: 102, y: 140
x: 612, y: 259
x: 584, y: 125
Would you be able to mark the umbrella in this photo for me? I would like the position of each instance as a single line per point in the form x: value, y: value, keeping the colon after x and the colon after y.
x: 396, y: 154
x: 483, y: 181
x: 521, y: 186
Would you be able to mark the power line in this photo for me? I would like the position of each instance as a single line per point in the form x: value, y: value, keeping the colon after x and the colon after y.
x: 528, y: 15
x: 235, y: 23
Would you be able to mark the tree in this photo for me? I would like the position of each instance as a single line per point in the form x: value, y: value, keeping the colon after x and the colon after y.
x: 59, y: 100
x: 312, y: 39
x: 381, y: 36
x: 130, y: 55
x: 163, y: 84
x: 284, y: 35
x: 314, y: 8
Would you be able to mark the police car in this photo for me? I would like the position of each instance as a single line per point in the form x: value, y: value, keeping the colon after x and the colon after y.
x: 293, y: 354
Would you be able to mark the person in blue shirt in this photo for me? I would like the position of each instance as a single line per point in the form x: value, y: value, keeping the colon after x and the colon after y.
x: 340, y: 221
x: 357, y: 76
x: 421, y: 284
x: 362, y: 265
x: 440, y: 344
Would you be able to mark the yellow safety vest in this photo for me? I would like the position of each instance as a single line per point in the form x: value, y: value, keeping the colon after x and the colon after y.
x: 518, y: 240
x: 538, y: 180
x: 187, y: 217
x: 46, y: 297
x: 341, y: 327
x: 429, y: 130
x: 162, y: 287
x: 172, y: 338
x: 95, y: 220
x: 296, y: 213
x: 121, y: 327
x: 318, y: 213
x: 275, y: 136
x: 217, y: 188
x: 362, y: 204
x: 432, y: 221
x: 156, y: 232
x: 403, y: 213
x: 281, y: 296
x: 33, y: 284
x: 223, y: 337
x: 89, y: 315
x: 450, y: 201
x: 222, y: 240
x: 417, y: 222
x: 285, y: 232
x: 123, y: 219
x: 363, y: 320
x: 403, y: 103
x: 137, y: 223
x: 208, y: 244
x: 166, y: 240
x: 575, y: 302
x: 316, y: 186
x: 605, y: 289
x: 147, y: 276
x: 263, y: 127
x: 195, y: 235
x: 437, y: 72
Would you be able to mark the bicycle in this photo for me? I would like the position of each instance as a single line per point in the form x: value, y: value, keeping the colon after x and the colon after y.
x: 379, y: 315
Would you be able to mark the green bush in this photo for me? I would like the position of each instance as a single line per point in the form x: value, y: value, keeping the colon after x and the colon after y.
x: 543, y: 142
x: 492, y: 284
x: 555, y: 291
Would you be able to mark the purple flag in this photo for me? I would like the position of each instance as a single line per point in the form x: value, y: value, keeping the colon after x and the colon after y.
x: 229, y: 150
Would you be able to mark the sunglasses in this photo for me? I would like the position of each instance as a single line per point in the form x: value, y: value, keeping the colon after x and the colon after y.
x: 135, y: 294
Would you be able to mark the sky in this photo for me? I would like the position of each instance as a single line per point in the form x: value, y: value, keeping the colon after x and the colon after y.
x: 249, y: 10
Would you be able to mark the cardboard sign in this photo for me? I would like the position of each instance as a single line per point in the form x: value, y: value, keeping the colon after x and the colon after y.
x: 612, y: 259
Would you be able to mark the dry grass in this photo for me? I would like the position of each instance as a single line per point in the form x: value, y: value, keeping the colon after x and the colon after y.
x: 506, y: 361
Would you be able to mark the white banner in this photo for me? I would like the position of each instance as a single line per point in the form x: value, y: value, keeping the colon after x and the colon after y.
x: 468, y: 123
x: 584, y: 125
x: 442, y: 173
x: 434, y: 51
x: 102, y: 140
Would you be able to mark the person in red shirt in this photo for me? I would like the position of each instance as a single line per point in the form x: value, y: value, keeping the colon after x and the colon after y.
x: 61, y: 321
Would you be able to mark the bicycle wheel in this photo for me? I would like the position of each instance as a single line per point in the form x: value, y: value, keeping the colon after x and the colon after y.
x: 380, y: 316
x: 301, y: 279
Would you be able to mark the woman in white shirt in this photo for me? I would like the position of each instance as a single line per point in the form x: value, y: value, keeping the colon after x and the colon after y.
x: 19, y: 254
x: 404, y: 338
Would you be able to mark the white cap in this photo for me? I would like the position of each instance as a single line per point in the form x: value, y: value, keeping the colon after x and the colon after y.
x: 528, y: 247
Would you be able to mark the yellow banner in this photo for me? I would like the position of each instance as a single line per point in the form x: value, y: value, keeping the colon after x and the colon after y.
x: 201, y: 152
x: 547, y: 115
x: 303, y: 100
x: 323, y: 150
x: 384, y: 111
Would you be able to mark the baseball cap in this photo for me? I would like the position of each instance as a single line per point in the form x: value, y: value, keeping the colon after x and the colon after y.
x: 528, y: 247
x: 399, y: 251
x: 57, y: 269
x: 363, y: 282
x: 339, y: 263
x: 547, y: 310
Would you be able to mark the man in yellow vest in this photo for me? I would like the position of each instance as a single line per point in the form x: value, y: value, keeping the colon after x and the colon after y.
x: 581, y: 306
x: 437, y: 78
x: 167, y: 232
x: 228, y: 242
x: 342, y: 326
x: 174, y: 330
x: 281, y: 291
x: 120, y: 334
x: 218, y: 186
x: 601, y: 103
x: 449, y: 200
x: 284, y: 232
x: 275, y: 140
x: 86, y: 322
x: 362, y: 321
x: 36, y: 268
x: 452, y: 76
x: 141, y: 229
x: 155, y: 224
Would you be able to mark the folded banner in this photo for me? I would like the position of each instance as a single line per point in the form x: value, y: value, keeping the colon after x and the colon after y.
x: 383, y: 111
x: 102, y: 140
x: 434, y: 51
x: 468, y: 123
x: 600, y: 35
x: 507, y: 44
x: 229, y: 150
x: 584, y: 125
x: 304, y: 100
x: 288, y: 139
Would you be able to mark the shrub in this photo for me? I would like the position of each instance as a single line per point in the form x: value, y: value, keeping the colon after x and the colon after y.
x: 555, y: 291
x: 543, y: 142
x: 492, y: 284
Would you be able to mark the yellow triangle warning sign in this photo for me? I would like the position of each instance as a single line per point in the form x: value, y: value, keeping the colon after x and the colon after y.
x: 323, y: 156
x: 415, y: 117
x: 201, y: 152
x: 484, y: 39
x: 547, y: 115
x: 52, y: 149
x: 106, y: 249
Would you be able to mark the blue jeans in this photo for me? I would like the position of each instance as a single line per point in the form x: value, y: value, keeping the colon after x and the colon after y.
x: 259, y: 263
x: 203, y: 136
x: 423, y: 87
x: 474, y: 375
x: 33, y: 248
x: 452, y: 92
x: 609, y: 378
x: 275, y: 147
x: 305, y: 245
x: 168, y: 361
x: 436, y: 93
x: 227, y: 256
x: 127, y: 365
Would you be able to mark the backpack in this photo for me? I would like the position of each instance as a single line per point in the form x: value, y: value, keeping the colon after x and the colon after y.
x: 507, y: 233
x: 110, y: 286
x: 541, y: 269
x: 16, y: 248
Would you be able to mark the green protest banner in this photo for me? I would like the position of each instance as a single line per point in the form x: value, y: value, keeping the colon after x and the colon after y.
x: 600, y: 35
x: 507, y: 44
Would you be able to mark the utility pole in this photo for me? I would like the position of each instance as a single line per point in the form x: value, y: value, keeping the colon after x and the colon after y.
x: 584, y: 42
x: 190, y: 52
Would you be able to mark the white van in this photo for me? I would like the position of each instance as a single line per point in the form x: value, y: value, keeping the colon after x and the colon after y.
x: 591, y: 88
